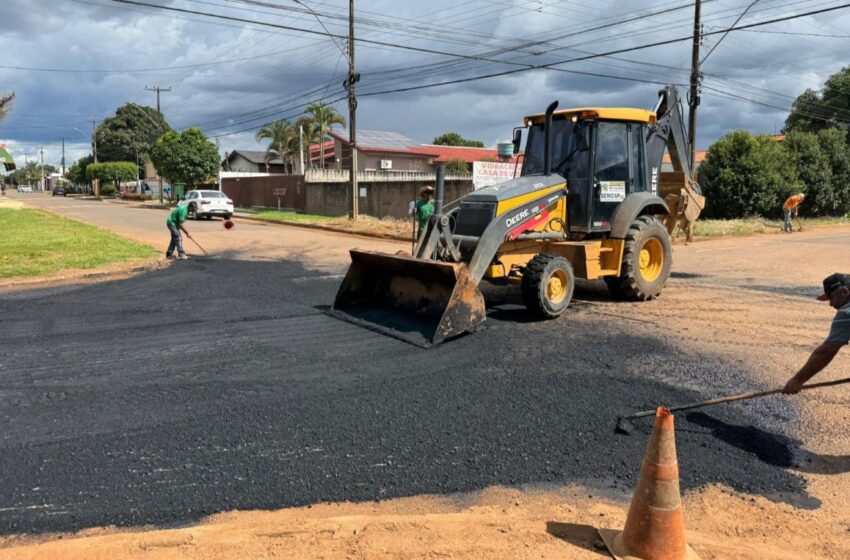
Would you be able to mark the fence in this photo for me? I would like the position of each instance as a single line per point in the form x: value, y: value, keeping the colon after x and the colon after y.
x: 288, y: 190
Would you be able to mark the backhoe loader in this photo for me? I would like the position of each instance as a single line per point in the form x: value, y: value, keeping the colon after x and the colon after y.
x: 588, y: 204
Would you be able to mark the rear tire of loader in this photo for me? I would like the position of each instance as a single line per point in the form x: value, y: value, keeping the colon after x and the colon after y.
x: 647, y: 258
x: 547, y: 285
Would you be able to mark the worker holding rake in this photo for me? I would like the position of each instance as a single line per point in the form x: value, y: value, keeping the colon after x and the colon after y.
x: 836, y: 290
x: 175, y: 224
x: 791, y: 208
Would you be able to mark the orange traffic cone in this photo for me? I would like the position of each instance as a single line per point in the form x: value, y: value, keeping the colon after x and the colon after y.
x: 655, y: 526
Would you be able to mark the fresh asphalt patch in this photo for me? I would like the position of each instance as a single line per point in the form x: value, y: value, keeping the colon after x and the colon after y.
x: 220, y: 385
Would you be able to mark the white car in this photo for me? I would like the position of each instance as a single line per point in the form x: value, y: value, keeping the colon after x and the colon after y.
x: 24, y: 188
x: 206, y: 204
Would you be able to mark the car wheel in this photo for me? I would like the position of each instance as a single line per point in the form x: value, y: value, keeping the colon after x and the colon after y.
x: 193, y: 212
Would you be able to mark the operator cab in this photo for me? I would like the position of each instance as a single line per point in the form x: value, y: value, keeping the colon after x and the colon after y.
x: 608, y: 141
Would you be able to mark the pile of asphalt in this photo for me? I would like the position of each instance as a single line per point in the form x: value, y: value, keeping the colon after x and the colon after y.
x: 219, y: 384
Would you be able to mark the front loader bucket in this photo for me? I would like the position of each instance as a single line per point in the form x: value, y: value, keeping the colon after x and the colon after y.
x: 421, y: 301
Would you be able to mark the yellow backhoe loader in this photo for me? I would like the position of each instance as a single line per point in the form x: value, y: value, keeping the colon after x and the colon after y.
x: 589, y: 204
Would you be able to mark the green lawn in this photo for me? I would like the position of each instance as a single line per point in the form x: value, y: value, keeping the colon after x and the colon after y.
x: 276, y: 216
x: 33, y: 243
x: 749, y: 226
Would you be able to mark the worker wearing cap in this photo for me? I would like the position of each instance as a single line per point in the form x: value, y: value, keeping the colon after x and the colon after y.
x: 792, y: 206
x: 836, y: 290
x: 175, y: 223
x: 424, y: 208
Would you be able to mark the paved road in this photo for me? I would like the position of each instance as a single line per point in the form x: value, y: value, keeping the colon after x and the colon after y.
x: 220, y: 384
x: 247, y: 240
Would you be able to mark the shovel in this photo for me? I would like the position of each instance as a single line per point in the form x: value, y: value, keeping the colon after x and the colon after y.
x: 198, y: 244
x: 625, y: 426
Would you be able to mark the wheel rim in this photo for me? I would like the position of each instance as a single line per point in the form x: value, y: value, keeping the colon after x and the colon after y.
x: 651, y: 259
x: 556, y: 287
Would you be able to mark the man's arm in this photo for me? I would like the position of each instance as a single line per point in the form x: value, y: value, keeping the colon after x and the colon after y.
x: 820, y: 358
x: 184, y: 230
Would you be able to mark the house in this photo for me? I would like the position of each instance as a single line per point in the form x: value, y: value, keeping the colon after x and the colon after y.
x: 391, y: 151
x: 667, y: 163
x: 251, y: 161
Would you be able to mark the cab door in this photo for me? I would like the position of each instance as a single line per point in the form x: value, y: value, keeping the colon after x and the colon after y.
x: 611, y: 172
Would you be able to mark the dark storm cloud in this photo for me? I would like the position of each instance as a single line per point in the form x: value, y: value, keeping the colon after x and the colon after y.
x: 258, y: 73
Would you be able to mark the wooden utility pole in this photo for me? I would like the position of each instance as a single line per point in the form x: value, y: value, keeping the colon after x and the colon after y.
x: 693, y: 94
x: 353, y: 78
x: 159, y: 90
x: 41, y: 155
x: 95, y: 182
x: 63, y: 157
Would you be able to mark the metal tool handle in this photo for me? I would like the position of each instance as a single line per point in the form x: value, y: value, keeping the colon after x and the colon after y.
x: 740, y: 397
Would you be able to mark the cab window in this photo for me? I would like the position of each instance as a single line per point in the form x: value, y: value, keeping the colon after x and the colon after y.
x: 612, y: 153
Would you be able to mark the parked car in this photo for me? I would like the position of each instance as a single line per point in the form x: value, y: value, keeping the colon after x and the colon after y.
x: 206, y: 204
x: 59, y: 191
x: 24, y: 188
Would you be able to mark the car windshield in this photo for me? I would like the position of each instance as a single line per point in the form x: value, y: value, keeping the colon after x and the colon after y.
x: 213, y: 194
x: 567, y: 159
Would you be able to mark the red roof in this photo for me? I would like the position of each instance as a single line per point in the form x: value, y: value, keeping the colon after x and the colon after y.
x: 699, y: 157
x: 316, y: 153
x: 447, y: 153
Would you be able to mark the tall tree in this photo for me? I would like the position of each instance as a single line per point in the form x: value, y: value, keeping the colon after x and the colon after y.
x: 312, y: 135
x: 814, y: 111
x: 6, y: 103
x: 833, y: 142
x: 455, y: 139
x: 814, y: 172
x: 745, y: 175
x: 324, y: 117
x: 187, y: 157
x: 283, y: 141
x: 130, y: 133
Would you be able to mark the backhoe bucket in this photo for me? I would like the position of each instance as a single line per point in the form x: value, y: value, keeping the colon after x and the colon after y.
x: 420, y: 301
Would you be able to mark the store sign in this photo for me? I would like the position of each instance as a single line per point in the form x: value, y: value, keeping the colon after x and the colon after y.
x: 386, y: 164
x: 486, y: 173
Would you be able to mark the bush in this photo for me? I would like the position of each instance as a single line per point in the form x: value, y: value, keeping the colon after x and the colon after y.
x: 457, y: 167
x: 135, y: 196
x: 107, y: 190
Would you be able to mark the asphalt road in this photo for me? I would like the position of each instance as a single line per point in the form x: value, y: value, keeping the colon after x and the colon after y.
x: 220, y: 384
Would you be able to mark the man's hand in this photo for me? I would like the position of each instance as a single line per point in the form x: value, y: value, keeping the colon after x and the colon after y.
x: 793, y: 386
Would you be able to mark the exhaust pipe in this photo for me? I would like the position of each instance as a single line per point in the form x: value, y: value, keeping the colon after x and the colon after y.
x: 441, y: 188
x: 547, y: 143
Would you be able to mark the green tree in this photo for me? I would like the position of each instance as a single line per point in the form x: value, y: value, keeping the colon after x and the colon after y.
x: 283, y: 141
x: 457, y: 167
x: 814, y: 111
x: 455, y: 139
x: 77, y: 172
x: 312, y: 135
x: 114, y: 172
x: 745, y: 175
x: 814, y: 172
x: 187, y: 157
x: 6, y: 103
x: 131, y: 133
x: 835, y: 146
x: 324, y: 117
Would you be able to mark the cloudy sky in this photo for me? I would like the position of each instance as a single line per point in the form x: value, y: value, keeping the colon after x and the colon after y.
x: 74, y: 61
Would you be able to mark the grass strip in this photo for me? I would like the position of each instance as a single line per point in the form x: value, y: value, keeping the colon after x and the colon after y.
x: 34, y: 243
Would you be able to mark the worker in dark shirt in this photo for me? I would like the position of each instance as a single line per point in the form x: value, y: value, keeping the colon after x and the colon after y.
x: 836, y: 290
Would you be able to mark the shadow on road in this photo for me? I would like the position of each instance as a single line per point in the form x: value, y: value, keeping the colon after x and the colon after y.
x: 581, y: 536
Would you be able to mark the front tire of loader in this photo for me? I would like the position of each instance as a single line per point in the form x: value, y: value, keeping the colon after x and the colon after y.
x: 547, y: 285
x: 647, y: 258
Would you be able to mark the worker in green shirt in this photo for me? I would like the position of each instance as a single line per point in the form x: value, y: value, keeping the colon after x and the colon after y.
x: 175, y: 224
x: 424, y: 208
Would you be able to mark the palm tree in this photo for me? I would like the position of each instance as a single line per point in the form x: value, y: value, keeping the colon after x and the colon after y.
x: 325, y: 117
x: 6, y: 103
x: 310, y: 131
x: 280, y: 134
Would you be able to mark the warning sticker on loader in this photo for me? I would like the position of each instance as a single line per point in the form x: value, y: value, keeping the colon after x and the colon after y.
x: 612, y: 191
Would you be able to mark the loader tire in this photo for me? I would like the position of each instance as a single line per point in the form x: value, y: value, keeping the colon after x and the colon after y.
x: 547, y: 285
x: 647, y: 258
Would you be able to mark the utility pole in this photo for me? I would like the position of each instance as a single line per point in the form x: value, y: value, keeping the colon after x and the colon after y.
x: 693, y: 94
x: 41, y: 181
x: 301, y: 148
x: 63, y: 157
x: 158, y: 90
x: 95, y: 182
x: 353, y: 78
